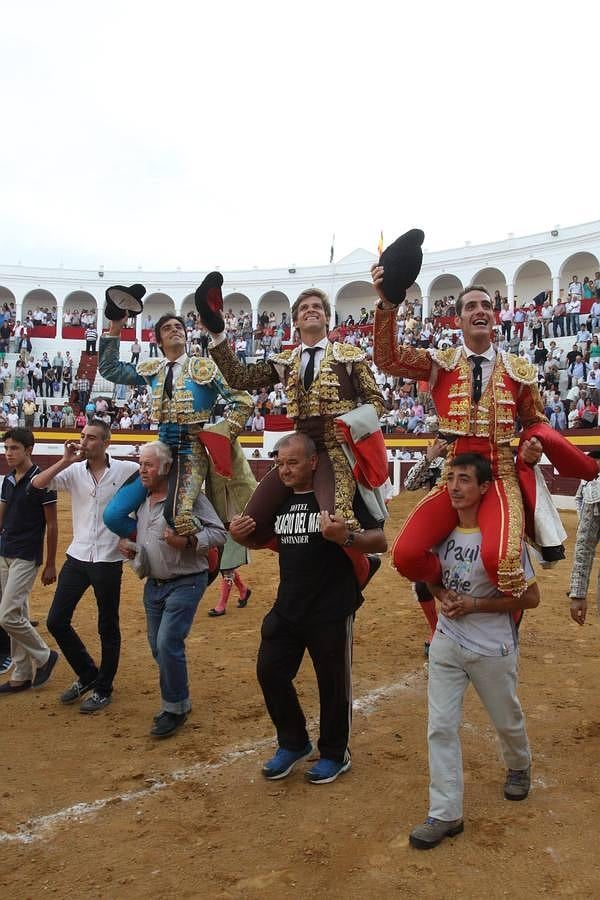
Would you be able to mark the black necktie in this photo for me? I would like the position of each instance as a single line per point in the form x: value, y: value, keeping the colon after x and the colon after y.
x: 168, y: 388
x: 309, y: 372
x: 477, y: 377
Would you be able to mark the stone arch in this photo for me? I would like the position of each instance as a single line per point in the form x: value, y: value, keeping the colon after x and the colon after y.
x: 492, y: 279
x: 6, y: 298
x: 6, y: 295
x: 446, y: 285
x: 530, y: 279
x: 238, y: 303
x: 156, y: 305
x: 78, y: 302
x: 277, y: 302
x: 582, y: 264
x: 38, y: 297
x: 188, y: 305
x: 352, y: 297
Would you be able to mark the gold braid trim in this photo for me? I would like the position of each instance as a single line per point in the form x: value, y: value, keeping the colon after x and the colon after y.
x: 519, y: 369
x: 345, y: 485
x: 530, y: 406
x: 149, y: 367
x: 448, y: 359
x: 347, y: 353
x: 409, y: 362
x: 201, y: 369
x: 511, y: 576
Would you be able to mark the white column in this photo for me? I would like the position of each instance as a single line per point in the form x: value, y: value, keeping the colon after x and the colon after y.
x: 555, y: 289
x: 510, y: 294
x: 425, y: 309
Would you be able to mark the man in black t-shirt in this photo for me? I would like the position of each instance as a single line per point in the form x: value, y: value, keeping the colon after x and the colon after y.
x: 316, y: 600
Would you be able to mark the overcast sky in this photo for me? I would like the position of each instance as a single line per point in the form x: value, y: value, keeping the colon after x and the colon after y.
x: 245, y: 134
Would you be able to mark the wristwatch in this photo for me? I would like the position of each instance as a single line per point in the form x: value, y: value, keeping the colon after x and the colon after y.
x: 350, y: 539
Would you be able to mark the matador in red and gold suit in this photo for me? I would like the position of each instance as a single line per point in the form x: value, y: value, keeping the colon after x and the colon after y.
x: 483, y: 421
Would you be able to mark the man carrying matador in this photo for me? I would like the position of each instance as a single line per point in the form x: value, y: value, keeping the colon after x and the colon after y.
x: 333, y: 398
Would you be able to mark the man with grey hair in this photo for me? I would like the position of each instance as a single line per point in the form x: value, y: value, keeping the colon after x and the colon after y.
x: 176, y: 571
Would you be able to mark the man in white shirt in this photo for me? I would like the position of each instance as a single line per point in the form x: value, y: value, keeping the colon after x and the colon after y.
x: 475, y: 641
x: 573, y: 310
x: 92, y: 478
x: 5, y: 376
x: 575, y: 288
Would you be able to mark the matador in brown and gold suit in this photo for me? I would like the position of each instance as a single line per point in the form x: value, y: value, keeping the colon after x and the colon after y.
x: 340, y: 380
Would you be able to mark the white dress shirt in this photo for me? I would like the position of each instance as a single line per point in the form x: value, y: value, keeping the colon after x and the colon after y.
x: 487, y: 365
x: 92, y: 541
x: 320, y: 345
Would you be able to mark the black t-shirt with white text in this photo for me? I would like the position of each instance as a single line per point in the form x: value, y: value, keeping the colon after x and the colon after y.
x: 317, y: 581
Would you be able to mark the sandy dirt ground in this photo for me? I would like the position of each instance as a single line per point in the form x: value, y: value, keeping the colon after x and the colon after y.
x: 91, y: 806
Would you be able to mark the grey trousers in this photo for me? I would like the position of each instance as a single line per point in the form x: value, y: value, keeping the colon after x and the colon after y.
x: 451, y: 669
x: 28, y: 650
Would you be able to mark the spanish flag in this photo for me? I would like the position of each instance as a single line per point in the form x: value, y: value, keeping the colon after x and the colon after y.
x: 380, y: 244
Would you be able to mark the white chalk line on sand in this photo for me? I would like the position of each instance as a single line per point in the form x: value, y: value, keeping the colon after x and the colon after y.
x: 34, y: 829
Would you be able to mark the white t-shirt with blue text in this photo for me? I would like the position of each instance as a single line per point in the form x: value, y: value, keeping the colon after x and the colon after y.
x: 490, y: 634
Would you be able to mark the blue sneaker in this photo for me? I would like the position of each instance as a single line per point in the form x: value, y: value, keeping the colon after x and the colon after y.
x: 326, y: 770
x: 284, y: 761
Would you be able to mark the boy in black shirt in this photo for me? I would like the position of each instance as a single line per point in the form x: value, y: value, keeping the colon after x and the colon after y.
x: 317, y: 597
x: 26, y: 514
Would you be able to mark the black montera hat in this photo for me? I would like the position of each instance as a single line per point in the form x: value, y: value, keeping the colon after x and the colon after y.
x: 124, y: 300
x: 402, y: 262
x: 209, y: 302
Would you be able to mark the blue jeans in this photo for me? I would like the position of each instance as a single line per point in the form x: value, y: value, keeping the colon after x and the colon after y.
x: 170, y: 609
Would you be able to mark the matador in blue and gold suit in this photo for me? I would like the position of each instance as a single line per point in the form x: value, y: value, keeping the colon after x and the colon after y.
x: 199, y: 449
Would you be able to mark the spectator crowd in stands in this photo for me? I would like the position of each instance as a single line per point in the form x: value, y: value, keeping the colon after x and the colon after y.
x: 569, y: 381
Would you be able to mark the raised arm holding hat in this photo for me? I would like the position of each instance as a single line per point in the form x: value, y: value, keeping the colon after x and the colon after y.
x: 184, y: 392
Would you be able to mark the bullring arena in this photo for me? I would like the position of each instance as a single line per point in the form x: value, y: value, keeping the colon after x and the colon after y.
x: 93, y: 807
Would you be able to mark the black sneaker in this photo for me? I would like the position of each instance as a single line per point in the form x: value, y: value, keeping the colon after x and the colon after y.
x: 95, y: 702
x: 44, y: 672
x: 76, y: 691
x: 167, y: 723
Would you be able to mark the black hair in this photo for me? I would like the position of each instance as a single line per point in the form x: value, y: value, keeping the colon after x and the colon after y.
x: 22, y: 436
x: 166, y: 318
x: 483, y: 469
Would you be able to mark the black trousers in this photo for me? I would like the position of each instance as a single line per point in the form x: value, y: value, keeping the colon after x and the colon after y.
x: 4, y: 643
x: 75, y: 578
x: 280, y: 654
